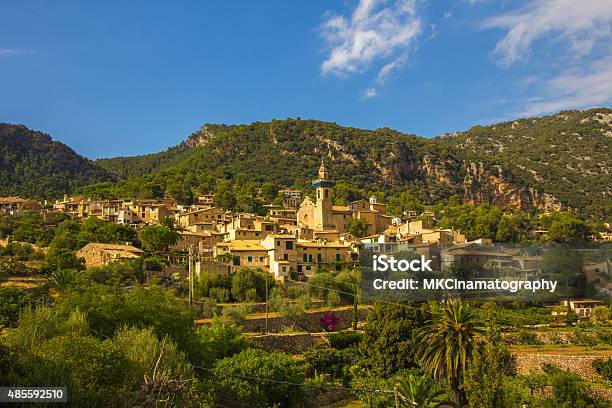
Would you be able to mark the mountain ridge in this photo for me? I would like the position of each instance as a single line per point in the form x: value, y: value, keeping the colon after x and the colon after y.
x: 552, y: 162
x: 32, y: 164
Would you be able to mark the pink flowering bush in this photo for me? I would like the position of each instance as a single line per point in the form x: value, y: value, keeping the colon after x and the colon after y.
x: 329, y: 321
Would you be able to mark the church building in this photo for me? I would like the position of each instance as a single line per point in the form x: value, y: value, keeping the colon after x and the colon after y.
x: 330, y: 220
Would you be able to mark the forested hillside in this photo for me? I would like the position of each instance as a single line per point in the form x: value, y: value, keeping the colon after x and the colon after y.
x: 567, y: 156
x: 33, y: 165
x: 549, y: 163
x: 288, y: 153
x: 554, y: 162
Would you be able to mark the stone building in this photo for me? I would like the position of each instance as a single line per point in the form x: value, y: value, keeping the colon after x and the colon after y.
x: 325, y: 218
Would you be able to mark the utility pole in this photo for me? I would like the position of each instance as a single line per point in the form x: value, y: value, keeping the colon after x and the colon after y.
x: 190, y: 276
x: 355, y: 311
x: 266, y: 305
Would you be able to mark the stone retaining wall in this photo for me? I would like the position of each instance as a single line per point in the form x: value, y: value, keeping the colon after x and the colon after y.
x: 310, y: 322
x: 261, y: 307
x: 528, y: 363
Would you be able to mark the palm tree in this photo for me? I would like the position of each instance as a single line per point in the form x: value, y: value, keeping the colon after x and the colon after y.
x: 446, y: 345
x: 62, y: 279
x: 419, y: 392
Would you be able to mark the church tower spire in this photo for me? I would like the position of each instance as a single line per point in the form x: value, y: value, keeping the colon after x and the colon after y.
x: 323, y: 175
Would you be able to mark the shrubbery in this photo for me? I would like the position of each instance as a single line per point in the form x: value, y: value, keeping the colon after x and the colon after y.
x: 603, y: 367
x: 344, y: 339
x: 236, y: 376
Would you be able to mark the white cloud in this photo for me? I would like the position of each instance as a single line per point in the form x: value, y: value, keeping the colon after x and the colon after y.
x: 376, y: 30
x: 575, y: 88
x: 9, y: 52
x: 386, y: 71
x: 369, y: 93
x: 579, y: 67
x: 577, y: 23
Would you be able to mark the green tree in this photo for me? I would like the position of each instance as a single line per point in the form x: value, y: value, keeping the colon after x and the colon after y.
x: 388, y: 343
x: 601, y: 314
x: 357, y: 227
x: 345, y: 192
x: 566, y: 228
x: 406, y: 201
x: 63, y: 279
x: 294, y: 311
x: 566, y: 266
x: 219, y: 341
x: 61, y: 258
x: 146, y: 353
x: 110, y: 308
x: 13, y: 267
x: 446, y: 345
x: 97, y: 230
x: 30, y: 227
x: 419, y: 392
x: 243, y: 378
x: 570, y: 391
x: 97, y: 368
x: 158, y: 237
x: 484, y: 378
x: 245, y: 280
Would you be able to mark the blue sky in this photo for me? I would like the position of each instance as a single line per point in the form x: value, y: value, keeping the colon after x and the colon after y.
x: 123, y: 78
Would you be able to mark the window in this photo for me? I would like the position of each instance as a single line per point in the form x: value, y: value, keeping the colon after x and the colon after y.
x: 286, y: 257
x: 326, y: 193
x: 250, y: 259
x: 257, y: 234
x: 319, y: 258
x: 277, y: 243
x: 236, y: 261
x: 305, y: 258
x: 338, y: 257
x: 289, y: 244
x: 283, y: 269
x: 308, y: 268
x: 310, y: 258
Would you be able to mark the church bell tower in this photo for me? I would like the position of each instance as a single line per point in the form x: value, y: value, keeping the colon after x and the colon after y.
x: 324, y: 206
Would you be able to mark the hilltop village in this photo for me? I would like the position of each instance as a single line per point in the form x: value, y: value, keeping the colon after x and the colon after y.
x: 293, y: 240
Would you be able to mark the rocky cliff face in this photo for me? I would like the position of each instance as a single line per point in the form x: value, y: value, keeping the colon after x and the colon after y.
x: 443, y: 171
x: 198, y: 139
x: 482, y: 186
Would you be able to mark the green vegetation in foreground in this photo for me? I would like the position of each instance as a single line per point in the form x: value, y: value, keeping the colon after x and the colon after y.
x: 100, y: 326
